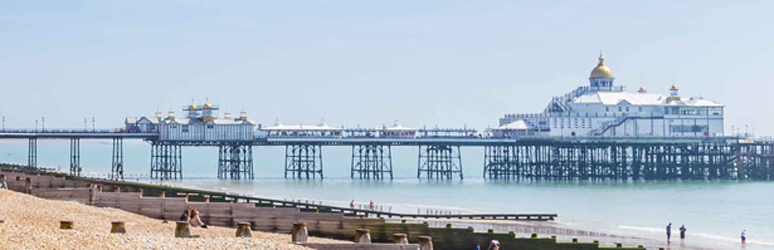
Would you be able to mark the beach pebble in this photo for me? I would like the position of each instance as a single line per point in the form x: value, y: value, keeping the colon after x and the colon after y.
x: 33, y: 223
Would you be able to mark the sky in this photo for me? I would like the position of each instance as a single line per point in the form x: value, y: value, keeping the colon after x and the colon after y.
x: 367, y: 63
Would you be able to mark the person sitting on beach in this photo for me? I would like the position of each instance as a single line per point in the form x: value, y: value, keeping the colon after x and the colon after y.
x: 195, y: 221
x: 186, y: 215
x: 494, y: 245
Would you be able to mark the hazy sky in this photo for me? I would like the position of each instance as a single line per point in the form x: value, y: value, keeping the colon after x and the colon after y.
x: 360, y: 62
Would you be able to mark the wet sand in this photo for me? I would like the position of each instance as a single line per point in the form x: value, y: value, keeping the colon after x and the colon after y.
x: 566, y: 233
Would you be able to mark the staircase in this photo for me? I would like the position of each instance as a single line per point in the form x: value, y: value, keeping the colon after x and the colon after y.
x: 610, y: 124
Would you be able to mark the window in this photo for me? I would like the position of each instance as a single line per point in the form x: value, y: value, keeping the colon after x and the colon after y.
x: 607, y: 109
x: 627, y: 109
x: 640, y: 109
x: 210, y: 126
x: 619, y: 109
x: 185, y: 128
x: 688, y: 128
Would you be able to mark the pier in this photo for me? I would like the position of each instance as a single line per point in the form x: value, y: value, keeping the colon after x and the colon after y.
x: 646, y: 158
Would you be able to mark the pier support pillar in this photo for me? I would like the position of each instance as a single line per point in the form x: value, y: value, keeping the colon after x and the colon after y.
x: 117, y: 170
x: 500, y: 162
x: 371, y: 161
x: 235, y: 161
x: 439, y: 161
x: 166, y: 161
x: 303, y: 161
x: 32, y: 154
x: 75, y: 156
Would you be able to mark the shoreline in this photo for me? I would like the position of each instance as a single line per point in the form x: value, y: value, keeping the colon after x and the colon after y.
x: 563, y: 229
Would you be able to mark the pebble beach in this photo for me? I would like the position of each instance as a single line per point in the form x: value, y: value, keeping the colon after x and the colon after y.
x: 33, y: 223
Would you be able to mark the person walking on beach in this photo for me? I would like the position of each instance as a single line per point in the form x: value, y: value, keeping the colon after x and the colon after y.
x: 494, y: 245
x: 744, y: 236
x: 352, y: 204
x: 682, y: 232
x: 371, y: 205
x: 669, y: 232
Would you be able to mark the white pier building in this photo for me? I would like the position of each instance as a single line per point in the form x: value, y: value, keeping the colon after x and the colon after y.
x: 604, y: 109
x: 200, y: 124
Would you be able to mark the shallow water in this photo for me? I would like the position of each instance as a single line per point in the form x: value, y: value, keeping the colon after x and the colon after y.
x: 715, y: 212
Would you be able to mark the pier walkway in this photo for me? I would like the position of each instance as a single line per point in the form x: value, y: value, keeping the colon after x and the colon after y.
x: 439, y: 156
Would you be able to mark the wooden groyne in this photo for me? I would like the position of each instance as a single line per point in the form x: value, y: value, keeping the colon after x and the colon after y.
x: 168, y: 203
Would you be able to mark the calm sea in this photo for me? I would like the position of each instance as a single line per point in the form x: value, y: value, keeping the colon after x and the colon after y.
x: 715, y: 212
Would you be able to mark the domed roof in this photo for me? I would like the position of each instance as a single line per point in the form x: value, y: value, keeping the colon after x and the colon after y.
x: 207, y: 106
x: 673, y: 88
x: 601, y: 71
x: 192, y: 106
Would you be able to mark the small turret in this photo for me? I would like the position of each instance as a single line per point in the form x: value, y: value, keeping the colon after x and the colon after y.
x: 673, y: 94
x: 243, y: 115
x: 171, y: 115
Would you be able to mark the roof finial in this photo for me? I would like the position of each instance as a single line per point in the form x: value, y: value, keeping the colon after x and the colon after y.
x: 601, y: 58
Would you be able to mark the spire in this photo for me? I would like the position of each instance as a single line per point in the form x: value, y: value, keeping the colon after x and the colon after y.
x: 601, y: 59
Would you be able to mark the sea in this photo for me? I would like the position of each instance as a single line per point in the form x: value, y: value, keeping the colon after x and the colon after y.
x: 714, y: 212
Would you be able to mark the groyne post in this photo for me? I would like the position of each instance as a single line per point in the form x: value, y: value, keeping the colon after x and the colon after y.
x: 183, y: 229
x: 117, y: 227
x: 66, y: 224
x: 243, y: 230
x: 400, y: 239
x: 362, y: 236
x: 425, y: 242
x: 299, y: 233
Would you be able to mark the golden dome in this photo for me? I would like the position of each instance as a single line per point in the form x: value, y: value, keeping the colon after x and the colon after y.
x: 673, y: 88
x: 207, y: 106
x: 601, y: 71
x: 642, y: 90
x: 192, y: 106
